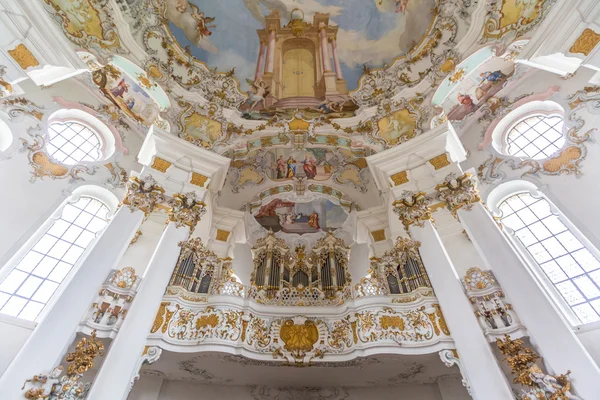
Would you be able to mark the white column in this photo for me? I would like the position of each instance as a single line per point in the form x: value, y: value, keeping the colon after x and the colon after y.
x: 271, y: 52
x: 487, y: 380
x: 325, y: 51
x: 113, y: 379
x: 336, y: 60
x: 52, y: 337
x: 260, y: 63
x: 549, y: 332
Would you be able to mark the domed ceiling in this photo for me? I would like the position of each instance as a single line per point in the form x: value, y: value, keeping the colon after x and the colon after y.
x: 297, y: 93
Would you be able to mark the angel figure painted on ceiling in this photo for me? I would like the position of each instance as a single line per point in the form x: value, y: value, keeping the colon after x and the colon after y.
x: 401, y: 6
x: 257, y: 94
x: 195, y: 25
x: 203, y: 22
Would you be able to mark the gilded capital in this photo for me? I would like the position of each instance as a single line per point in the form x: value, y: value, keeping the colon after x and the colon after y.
x: 413, y: 208
x: 143, y: 194
x: 186, y: 210
x: 459, y: 192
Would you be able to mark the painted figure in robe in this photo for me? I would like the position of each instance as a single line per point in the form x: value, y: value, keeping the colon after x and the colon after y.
x: 291, y: 168
x: 280, y: 168
x: 313, y: 221
x: 310, y: 167
x: 120, y: 89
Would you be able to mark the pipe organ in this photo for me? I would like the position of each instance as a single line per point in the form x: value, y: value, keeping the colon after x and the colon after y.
x: 276, y: 267
x: 197, y: 267
x: 402, y: 268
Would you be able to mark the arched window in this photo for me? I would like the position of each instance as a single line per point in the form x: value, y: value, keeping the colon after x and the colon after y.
x: 48, y: 259
x: 536, y: 137
x: 74, y: 136
x: 71, y: 142
x: 557, y: 248
x: 534, y: 130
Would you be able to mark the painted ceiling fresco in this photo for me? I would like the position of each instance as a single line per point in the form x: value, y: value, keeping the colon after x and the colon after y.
x: 298, y: 93
x: 371, y: 32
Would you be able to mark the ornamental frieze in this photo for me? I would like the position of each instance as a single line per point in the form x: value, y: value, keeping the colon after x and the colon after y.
x: 299, y: 339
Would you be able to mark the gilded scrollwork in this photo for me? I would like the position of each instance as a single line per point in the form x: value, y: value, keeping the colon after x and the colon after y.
x: 459, y: 192
x: 44, y: 166
x: 507, y: 21
x: 143, y: 194
x: 413, y: 208
x: 88, y: 24
x: 540, y: 385
x: 301, y: 339
x: 425, y: 60
x: 186, y: 210
x: 567, y: 161
x: 69, y: 386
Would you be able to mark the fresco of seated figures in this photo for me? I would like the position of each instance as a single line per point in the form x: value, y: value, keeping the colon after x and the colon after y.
x: 310, y: 164
x: 319, y: 215
x: 276, y: 48
x: 476, y: 82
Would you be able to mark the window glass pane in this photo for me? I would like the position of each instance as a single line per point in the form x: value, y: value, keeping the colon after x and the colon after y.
x: 536, y: 137
x: 562, y: 257
x: 71, y: 142
x: 36, y: 278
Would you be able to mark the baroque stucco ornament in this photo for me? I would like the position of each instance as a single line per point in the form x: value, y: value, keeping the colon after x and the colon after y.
x: 459, y: 192
x: 143, y: 194
x: 186, y: 210
x: 413, y: 208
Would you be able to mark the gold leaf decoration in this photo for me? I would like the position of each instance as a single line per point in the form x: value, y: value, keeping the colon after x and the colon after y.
x: 586, y: 42
x: 23, y: 57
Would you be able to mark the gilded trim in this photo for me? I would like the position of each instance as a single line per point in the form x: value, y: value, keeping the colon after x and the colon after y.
x: 399, y: 178
x: 160, y: 164
x: 23, y: 56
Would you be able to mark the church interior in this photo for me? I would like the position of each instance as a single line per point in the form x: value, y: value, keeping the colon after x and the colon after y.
x: 299, y: 199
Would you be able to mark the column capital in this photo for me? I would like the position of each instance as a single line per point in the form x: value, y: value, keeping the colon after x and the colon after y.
x: 186, y: 210
x: 143, y: 194
x: 413, y: 208
x: 459, y: 192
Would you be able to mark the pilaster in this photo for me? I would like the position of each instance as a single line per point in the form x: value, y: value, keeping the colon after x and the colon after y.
x: 545, y: 325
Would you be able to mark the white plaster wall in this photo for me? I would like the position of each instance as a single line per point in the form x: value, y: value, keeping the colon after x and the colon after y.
x: 13, y: 333
x: 452, y: 389
x: 242, y: 263
x: 574, y: 196
x: 146, y: 388
x: 359, y: 263
x: 138, y: 255
x: 590, y: 338
x: 177, y: 390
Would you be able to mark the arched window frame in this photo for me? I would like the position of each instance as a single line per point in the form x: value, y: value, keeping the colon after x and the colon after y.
x: 527, y: 110
x: 98, y: 128
x: 98, y: 193
x: 508, y: 189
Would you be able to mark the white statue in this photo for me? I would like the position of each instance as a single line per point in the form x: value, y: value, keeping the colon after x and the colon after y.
x: 552, y: 385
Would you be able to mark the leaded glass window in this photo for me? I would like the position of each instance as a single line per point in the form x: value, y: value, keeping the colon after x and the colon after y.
x: 72, y: 143
x: 37, y: 276
x: 536, y: 137
x: 563, y: 258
